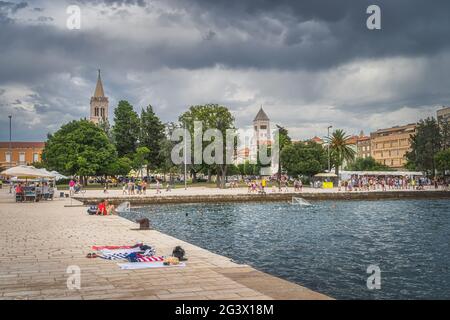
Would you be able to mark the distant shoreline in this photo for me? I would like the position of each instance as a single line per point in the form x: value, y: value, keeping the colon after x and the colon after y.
x: 198, y: 198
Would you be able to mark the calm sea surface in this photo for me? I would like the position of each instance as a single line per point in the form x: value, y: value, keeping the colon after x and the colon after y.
x: 328, y: 246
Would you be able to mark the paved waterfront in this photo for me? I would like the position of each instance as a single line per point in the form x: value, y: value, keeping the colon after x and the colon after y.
x: 40, y: 240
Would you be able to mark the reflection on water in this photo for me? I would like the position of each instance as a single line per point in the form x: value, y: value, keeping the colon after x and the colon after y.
x: 326, y: 247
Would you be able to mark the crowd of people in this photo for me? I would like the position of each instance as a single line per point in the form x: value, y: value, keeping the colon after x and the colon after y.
x: 139, y: 187
x: 33, y: 191
x: 384, y: 183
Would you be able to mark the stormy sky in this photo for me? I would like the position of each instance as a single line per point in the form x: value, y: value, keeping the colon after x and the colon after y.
x: 309, y: 63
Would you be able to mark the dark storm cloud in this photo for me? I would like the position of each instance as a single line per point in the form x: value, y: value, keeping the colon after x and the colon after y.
x: 8, y: 8
x: 311, y: 37
x: 409, y: 28
x: 116, y: 3
x: 286, y: 35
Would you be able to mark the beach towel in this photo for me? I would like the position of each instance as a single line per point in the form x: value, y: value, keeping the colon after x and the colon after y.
x: 132, y: 254
x: 116, y: 247
x: 145, y: 265
x: 142, y: 258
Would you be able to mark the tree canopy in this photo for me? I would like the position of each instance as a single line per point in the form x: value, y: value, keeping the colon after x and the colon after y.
x: 212, y: 116
x: 79, y: 148
x: 152, y: 136
x: 340, y: 149
x: 443, y: 160
x: 302, y: 158
x: 126, y: 129
x: 367, y: 164
x: 425, y: 144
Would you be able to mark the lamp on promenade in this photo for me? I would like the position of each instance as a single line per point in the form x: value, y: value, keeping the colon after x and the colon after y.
x: 329, y: 160
x: 185, y: 157
x: 10, y: 143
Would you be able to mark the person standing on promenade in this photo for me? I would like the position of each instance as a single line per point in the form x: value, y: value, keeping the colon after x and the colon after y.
x: 71, y: 187
x: 144, y: 186
x: 158, y: 186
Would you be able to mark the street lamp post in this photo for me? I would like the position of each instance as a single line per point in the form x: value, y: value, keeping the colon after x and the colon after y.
x: 185, y: 158
x: 10, y: 143
x: 329, y: 160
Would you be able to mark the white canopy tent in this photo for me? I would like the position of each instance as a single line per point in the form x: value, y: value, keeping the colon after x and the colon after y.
x: 348, y: 174
x: 26, y: 172
x: 59, y: 176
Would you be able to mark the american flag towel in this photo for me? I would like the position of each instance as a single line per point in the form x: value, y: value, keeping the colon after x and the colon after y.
x: 114, y: 256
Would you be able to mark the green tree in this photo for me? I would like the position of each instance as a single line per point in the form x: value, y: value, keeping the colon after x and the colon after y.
x: 106, y: 127
x: 340, y: 149
x: 367, y: 164
x: 122, y: 166
x: 151, y: 136
x: 140, y: 158
x: 166, y: 165
x: 442, y: 159
x: 283, y: 141
x: 425, y: 144
x: 212, y: 116
x: 79, y: 148
x: 445, y: 134
x: 302, y: 158
x: 125, y: 131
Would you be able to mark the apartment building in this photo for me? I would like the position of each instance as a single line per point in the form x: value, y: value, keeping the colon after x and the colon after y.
x: 389, y: 146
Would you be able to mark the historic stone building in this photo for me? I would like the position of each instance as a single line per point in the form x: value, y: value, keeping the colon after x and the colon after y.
x: 389, y: 146
x: 260, y: 135
x: 20, y: 153
x: 443, y: 115
x: 99, y: 103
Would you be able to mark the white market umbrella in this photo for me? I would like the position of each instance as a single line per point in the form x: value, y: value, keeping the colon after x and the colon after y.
x: 59, y: 176
x: 24, y: 172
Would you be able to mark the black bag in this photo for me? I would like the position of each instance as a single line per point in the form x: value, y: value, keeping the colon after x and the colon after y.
x: 92, y: 210
x: 178, y: 252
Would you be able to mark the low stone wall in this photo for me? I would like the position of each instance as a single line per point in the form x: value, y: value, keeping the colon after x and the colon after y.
x: 373, y: 195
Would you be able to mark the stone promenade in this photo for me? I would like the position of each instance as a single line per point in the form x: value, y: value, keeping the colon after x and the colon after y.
x: 39, y: 241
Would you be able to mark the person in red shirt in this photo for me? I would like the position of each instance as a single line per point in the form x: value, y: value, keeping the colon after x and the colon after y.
x: 19, y: 189
x: 101, y: 209
x: 19, y: 193
x: 104, y: 208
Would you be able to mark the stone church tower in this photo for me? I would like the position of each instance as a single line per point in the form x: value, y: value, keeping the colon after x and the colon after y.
x: 99, y: 103
x: 261, y: 126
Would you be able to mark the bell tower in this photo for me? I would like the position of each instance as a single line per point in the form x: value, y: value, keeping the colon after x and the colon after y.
x: 99, y: 103
x: 261, y: 127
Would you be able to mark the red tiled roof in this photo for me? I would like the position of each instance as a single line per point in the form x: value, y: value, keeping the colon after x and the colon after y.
x: 316, y: 139
x: 363, y: 138
x: 22, y: 144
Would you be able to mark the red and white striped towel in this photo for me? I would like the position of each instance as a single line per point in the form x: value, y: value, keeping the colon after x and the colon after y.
x: 115, y: 247
x: 142, y: 258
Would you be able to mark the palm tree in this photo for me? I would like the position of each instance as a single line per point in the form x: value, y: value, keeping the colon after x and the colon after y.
x: 340, y: 148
